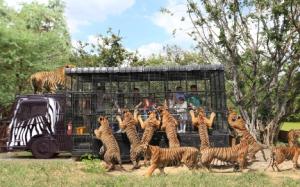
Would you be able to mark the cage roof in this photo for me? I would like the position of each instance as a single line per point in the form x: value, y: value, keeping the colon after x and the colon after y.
x: 96, y: 70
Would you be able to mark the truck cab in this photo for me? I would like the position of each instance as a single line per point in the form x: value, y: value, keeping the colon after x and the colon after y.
x: 37, y: 125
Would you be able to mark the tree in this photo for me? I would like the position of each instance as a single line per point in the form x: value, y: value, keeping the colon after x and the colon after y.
x: 171, y: 55
x: 107, y: 51
x: 259, y: 43
x: 32, y: 39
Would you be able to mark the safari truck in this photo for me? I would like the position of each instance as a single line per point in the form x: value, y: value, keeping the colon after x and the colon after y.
x: 52, y: 123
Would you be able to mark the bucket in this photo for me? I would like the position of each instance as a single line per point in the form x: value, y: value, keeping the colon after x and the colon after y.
x: 80, y: 130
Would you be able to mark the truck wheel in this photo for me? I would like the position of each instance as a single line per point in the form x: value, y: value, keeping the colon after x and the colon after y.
x: 44, y: 147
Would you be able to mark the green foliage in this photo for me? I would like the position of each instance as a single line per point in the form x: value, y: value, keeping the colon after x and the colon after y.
x: 32, y: 39
x: 258, y: 42
x: 108, y: 52
x: 91, y: 164
x: 171, y: 55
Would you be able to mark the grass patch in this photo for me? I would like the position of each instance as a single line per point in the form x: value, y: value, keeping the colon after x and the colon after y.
x: 290, y: 125
x: 93, y: 166
x: 69, y: 173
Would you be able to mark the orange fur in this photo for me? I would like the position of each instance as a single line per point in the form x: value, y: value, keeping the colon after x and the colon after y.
x: 239, y: 125
x: 112, y: 151
x: 162, y: 157
x: 293, y: 135
x: 169, y: 124
x: 280, y: 154
x: 48, y: 80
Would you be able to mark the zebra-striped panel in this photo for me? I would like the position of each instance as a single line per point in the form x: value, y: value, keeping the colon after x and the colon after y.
x: 21, y: 132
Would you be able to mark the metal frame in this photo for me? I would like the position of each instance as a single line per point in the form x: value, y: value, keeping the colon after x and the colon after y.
x: 92, y: 92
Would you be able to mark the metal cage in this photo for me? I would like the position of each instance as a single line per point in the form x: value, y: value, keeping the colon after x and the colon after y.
x: 93, y: 91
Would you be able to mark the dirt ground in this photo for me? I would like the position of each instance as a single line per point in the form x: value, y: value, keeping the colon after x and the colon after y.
x: 257, y: 166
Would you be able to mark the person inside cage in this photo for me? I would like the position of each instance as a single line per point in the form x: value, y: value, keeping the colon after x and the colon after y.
x: 120, y: 98
x: 179, y: 93
x: 181, y: 109
x: 169, y: 99
x: 136, y: 97
x: 148, y: 104
x: 103, y: 99
x: 193, y: 99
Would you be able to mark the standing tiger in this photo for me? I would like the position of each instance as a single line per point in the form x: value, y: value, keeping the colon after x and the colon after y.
x: 150, y: 126
x: 169, y: 124
x: 293, y: 136
x: 128, y: 124
x: 280, y: 154
x: 239, y: 125
x: 202, y: 129
x: 48, y: 80
x: 235, y: 154
x: 162, y: 157
x: 111, y: 148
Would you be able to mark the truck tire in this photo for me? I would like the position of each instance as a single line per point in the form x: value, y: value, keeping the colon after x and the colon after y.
x: 44, y: 147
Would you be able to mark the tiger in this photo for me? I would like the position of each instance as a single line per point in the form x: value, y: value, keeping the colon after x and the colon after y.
x: 293, y: 135
x: 48, y: 80
x: 282, y: 153
x: 150, y: 126
x: 112, y: 151
x: 163, y: 157
x: 239, y: 125
x: 128, y: 124
x: 235, y: 154
x: 202, y: 129
x: 169, y: 124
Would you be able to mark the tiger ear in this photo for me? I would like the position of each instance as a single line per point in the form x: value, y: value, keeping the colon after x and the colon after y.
x: 165, y: 104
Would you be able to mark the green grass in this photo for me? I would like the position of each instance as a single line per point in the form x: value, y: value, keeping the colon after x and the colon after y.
x: 69, y: 173
x: 290, y: 125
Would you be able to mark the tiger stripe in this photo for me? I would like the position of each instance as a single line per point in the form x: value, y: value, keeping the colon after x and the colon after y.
x: 162, y: 157
x: 239, y: 125
x: 128, y: 124
x: 112, y: 151
x: 293, y: 136
x: 235, y: 154
x: 280, y: 154
x: 48, y: 80
x: 150, y: 125
x: 169, y: 124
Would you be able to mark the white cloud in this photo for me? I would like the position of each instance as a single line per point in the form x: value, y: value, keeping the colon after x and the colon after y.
x: 150, y: 49
x: 169, y: 23
x: 173, y: 22
x: 81, y: 13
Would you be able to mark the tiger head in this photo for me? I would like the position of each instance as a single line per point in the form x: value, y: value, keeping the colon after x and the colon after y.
x: 162, y: 110
x: 201, y: 117
x: 236, y: 121
x: 148, y: 149
x: 102, y: 120
x: 128, y: 119
x: 152, y: 118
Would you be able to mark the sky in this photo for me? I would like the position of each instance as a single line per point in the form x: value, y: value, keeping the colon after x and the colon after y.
x: 141, y: 24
